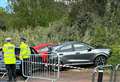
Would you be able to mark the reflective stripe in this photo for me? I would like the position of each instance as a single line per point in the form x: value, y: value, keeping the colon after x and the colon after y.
x: 7, y: 47
x: 9, y: 57
x: 8, y: 53
x: 100, y: 70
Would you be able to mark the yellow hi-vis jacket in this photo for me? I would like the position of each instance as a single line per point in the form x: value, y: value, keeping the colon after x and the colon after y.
x: 9, y: 53
x: 24, y: 51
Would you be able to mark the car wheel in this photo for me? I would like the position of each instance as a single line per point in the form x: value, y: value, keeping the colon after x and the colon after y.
x: 100, y: 60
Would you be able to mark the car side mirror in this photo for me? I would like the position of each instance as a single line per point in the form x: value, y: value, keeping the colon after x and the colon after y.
x: 89, y: 49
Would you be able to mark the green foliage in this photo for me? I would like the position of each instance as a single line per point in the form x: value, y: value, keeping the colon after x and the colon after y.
x: 2, y: 23
x: 92, y: 21
x: 34, y: 36
x: 116, y: 54
x: 2, y: 10
x: 35, y: 13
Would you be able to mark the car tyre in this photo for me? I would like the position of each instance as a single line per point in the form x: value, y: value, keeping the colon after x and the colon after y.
x: 100, y: 60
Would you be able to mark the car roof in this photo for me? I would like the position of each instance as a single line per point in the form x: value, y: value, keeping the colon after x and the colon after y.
x: 70, y: 42
x: 65, y: 43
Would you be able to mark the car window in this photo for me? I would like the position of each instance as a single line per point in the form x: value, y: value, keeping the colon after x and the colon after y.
x: 44, y: 49
x: 80, y: 47
x: 66, y: 48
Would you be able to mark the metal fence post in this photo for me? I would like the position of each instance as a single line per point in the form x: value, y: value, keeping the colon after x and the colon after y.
x: 58, y: 74
x: 100, y: 73
x: 36, y: 68
x: 112, y: 73
x: 100, y: 70
x: 94, y: 74
x: 115, y: 72
x: 53, y: 80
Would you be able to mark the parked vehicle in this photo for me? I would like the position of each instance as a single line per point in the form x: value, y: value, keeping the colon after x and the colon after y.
x: 79, y: 53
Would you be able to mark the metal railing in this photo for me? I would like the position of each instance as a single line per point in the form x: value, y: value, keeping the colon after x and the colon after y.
x: 48, y: 68
x: 117, y: 73
x: 99, y: 72
x: 42, y: 67
x: 3, y: 71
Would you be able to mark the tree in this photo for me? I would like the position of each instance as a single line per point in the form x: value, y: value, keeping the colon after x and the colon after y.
x: 2, y: 22
x: 36, y: 12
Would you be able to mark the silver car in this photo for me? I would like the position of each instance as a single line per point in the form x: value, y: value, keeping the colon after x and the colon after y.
x: 78, y: 53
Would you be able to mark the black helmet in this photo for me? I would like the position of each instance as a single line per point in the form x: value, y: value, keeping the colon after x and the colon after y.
x: 23, y: 39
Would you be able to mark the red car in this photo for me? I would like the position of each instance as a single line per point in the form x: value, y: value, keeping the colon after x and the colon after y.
x: 43, y: 49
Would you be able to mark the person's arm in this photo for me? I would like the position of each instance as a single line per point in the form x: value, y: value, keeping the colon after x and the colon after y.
x: 3, y: 49
x: 22, y: 52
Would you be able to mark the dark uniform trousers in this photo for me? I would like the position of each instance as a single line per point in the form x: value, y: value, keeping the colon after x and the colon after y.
x: 11, y: 68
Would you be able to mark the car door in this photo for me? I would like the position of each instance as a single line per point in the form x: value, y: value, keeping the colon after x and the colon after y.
x: 67, y: 54
x: 83, y: 53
